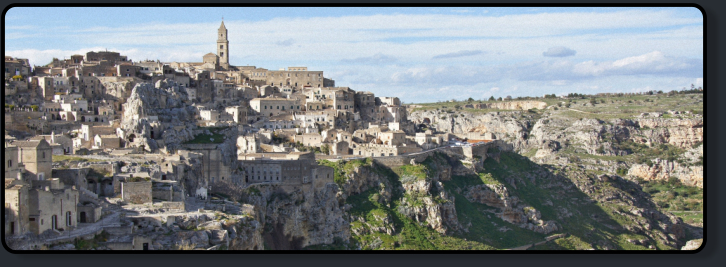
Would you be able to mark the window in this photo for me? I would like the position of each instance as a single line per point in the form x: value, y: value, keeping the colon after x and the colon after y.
x: 43, y: 154
x: 10, y: 163
x: 221, y: 46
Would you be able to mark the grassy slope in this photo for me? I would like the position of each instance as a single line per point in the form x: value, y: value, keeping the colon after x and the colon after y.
x: 613, y: 107
x: 590, y: 227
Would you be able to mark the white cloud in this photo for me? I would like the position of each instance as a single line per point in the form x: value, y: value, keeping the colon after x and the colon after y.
x: 462, y: 53
x: 559, y: 51
x: 390, y: 54
x: 651, y: 63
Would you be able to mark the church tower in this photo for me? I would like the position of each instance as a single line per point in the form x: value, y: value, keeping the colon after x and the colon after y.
x: 223, y: 47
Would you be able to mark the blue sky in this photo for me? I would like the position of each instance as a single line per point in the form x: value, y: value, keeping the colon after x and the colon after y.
x: 421, y: 54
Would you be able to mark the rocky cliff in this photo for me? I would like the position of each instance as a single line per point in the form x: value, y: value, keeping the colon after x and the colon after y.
x: 554, y: 136
x: 301, y: 217
x: 160, y: 107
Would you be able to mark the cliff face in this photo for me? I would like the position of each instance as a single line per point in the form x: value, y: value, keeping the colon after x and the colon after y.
x: 427, y: 202
x: 510, y: 208
x: 301, y: 217
x: 159, y: 107
x: 664, y: 169
x: 549, y: 133
x: 461, y: 123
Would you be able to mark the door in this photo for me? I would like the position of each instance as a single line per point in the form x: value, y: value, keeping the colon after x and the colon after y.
x: 54, y: 222
x: 83, y: 216
x: 146, y: 246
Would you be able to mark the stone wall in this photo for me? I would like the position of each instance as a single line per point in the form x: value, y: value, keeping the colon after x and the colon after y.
x: 136, y: 192
x: 521, y: 105
x: 401, y: 160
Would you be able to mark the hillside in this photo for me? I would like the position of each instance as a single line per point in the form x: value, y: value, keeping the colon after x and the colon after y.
x: 511, y: 202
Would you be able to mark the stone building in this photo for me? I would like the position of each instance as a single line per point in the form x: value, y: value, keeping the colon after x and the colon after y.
x: 52, y: 206
x: 238, y: 113
x: 340, y: 148
x: 209, y: 115
x: 381, y: 150
x: 35, y: 155
x: 309, y: 139
x: 270, y: 107
x: 106, y: 141
x: 365, y: 104
x: 248, y: 144
x: 16, y: 207
x: 392, y: 138
x: 294, y: 168
x: 16, y: 66
x: 137, y: 191
x: 223, y: 47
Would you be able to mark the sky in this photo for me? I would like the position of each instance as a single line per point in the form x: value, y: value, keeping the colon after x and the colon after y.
x: 422, y: 54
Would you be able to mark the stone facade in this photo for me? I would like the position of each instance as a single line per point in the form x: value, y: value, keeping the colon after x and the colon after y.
x: 270, y: 107
x: 35, y: 155
x: 16, y: 207
x: 136, y: 192
x: 381, y: 150
x: 52, y: 206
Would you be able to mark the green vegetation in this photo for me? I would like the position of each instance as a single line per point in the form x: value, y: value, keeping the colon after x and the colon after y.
x: 417, y: 171
x: 214, y: 138
x: 82, y: 244
x: 138, y: 179
x: 409, y: 235
x: 672, y: 195
x: 691, y: 217
x: 342, y: 167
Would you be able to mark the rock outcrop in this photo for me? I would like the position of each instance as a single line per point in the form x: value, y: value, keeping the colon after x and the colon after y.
x: 664, y: 170
x: 300, y: 217
x: 510, y: 208
x: 156, y: 115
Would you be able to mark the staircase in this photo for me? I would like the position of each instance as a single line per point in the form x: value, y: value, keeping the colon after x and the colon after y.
x: 87, y: 195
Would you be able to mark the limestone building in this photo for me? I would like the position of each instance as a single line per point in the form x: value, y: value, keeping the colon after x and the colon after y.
x: 35, y: 157
x: 270, y: 107
x: 294, y: 168
x: 52, y: 206
x: 223, y: 47
x: 16, y: 207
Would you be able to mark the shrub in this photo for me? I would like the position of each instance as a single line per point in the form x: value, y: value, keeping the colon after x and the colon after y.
x: 674, y: 181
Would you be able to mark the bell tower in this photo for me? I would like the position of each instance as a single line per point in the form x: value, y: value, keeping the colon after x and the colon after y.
x: 223, y: 46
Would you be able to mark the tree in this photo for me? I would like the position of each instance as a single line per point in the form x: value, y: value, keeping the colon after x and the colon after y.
x: 325, y: 149
x: 470, y: 100
x: 34, y: 107
x: 499, y: 99
x: 491, y: 98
